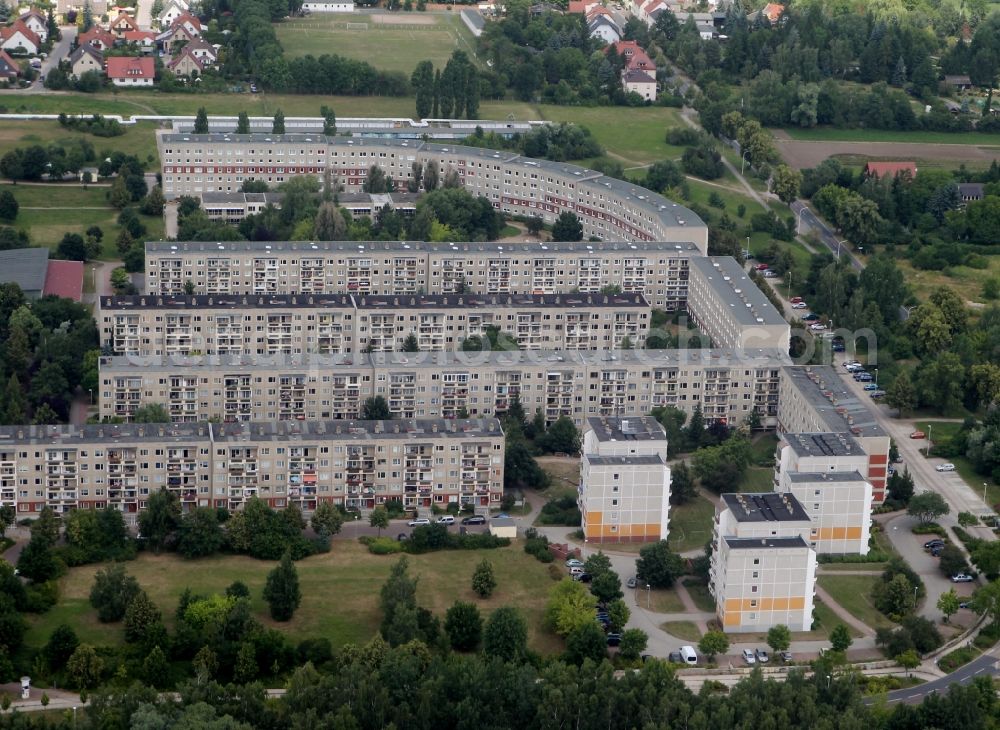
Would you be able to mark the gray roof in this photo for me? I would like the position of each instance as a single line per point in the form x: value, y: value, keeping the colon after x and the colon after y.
x: 970, y: 190
x: 654, y: 460
x: 824, y: 444
x: 765, y: 507
x: 686, y: 249
x: 224, y: 198
x: 25, y: 267
x: 371, y: 301
x: 733, y: 286
x: 638, y: 428
x: 751, y: 543
x: 501, y: 522
x: 805, y: 477
x: 825, y: 390
x: 87, y: 49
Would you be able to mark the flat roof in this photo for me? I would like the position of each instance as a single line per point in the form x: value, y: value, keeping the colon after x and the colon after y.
x: 204, y: 432
x: 765, y: 507
x: 370, y: 301
x: 823, y: 444
x: 836, y: 406
x: 737, y: 291
x: 805, y: 477
x: 637, y: 428
x: 64, y: 279
x: 367, y: 248
x: 751, y: 543
x: 25, y: 267
x: 654, y: 460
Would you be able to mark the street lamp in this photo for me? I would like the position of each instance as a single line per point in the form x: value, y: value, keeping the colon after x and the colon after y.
x: 984, y: 495
x: 789, y: 283
x: 648, y: 594
x: 798, y: 223
x: 748, y: 247
x: 743, y: 162
x: 876, y: 377
x: 91, y: 390
x: 839, y: 242
x: 915, y: 589
x: 930, y: 426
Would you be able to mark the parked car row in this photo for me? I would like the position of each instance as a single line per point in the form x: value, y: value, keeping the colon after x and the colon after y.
x: 448, y: 520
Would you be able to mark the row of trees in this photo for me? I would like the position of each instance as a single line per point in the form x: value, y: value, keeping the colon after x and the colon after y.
x: 455, y: 92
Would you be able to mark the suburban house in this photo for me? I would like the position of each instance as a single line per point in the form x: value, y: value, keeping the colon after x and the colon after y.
x: 37, y: 22
x: 601, y: 25
x: 172, y: 10
x: 9, y: 68
x: 772, y: 12
x: 890, y: 169
x: 177, y: 33
x: 204, y: 51
x: 190, y: 23
x: 650, y: 10
x: 969, y: 192
x: 98, y: 38
x: 959, y: 82
x: 98, y: 7
x: 123, y: 24
x: 186, y: 63
x: 641, y: 83
x: 131, y: 71
x: 19, y: 36
x: 144, y: 40
x: 86, y: 58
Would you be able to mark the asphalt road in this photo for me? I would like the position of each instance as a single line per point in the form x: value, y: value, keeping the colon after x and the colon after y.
x: 807, y: 219
x: 59, y: 51
x: 986, y: 664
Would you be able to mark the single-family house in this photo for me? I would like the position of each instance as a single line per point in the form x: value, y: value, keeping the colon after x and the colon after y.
x: 86, y: 58
x: 204, y: 51
x: 636, y: 59
x: 641, y: 83
x: 602, y: 26
x: 959, y: 82
x: 123, y: 24
x: 169, y: 39
x: 539, y: 9
x: 97, y: 7
x: 580, y: 7
x: 9, y: 68
x: 890, y: 169
x: 772, y: 12
x: 172, y: 10
x: 19, y: 38
x: 131, y: 71
x: 98, y: 38
x: 649, y: 10
x: 190, y: 22
x: 186, y: 63
x: 35, y: 20
x: 969, y: 192
x: 144, y: 40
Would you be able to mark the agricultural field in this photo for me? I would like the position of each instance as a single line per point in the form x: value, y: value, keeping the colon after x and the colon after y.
x: 411, y: 37
x: 340, y: 591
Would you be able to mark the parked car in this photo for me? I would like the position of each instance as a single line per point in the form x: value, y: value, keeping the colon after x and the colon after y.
x: 761, y: 655
x: 631, y: 583
x: 418, y: 522
x: 786, y: 656
x: 796, y: 300
x: 446, y: 520
x: 474, y: 520
x: 863, y: 377
x: 936, y: 552
x: 876, y: 394
x: 938, y: 542
x: 689, y: 655
x: 402, y: 536
x: 961, y: 578
x: 945, y: 467
x: 849, y: 363
x: 838, y: 347
x: 817, y: 327
x: 583, y: 577
x: 871, y: 386
x: 799, y: 305
x: 768, y: 274
x: 811, y: 317
x: 918, y: 435
x: 748, y: 657
x: 576, y: 570
x: 761, y: 267
x: 965, y: 604
x: 574, y: 563
x: 675, y: 657
x: 614, y: 639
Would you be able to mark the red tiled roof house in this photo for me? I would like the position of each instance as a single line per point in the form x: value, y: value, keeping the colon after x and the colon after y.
x: 131, y: 71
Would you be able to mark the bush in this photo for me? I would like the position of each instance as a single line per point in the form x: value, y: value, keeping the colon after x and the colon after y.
x: 561, y: 511
x: 430, y: 538
x: 383, y: 545
x: 954, y: 659
x: 41, y: 596
x: 537, y: 545
x: 931, y: 528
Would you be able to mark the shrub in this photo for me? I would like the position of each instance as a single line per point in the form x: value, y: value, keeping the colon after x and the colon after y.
x: 954, y: 659
x: 537, y: 545
x: 931, y: 528
x: 384, y: 546
x: 561, y: 511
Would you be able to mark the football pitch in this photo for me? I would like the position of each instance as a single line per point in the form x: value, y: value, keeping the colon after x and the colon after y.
x: 388, y: 41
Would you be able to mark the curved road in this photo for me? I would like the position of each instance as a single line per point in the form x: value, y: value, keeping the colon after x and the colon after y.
x: 986, y: 664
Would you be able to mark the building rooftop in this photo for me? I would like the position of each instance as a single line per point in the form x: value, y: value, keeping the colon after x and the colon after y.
x: 823, y: 444
x: 805, y: 477
x: 638, y: 428
x: 199, y: 433
x: 653, y: 460
x: 64, y: 279
x: 369, y: 301
x: 752, y: 543
x: 836, y: 406
x: 25, y: 267
x: 733, y: 287
x: 765, y: 507
x: 367, y: 248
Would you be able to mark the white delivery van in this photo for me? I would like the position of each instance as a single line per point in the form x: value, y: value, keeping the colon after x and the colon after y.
x: 689, y: 655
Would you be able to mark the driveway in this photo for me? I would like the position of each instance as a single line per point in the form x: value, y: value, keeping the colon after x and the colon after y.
x: 144, y: 14
x: 59, y: 51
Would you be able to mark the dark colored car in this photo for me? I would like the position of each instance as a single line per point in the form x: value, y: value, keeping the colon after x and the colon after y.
x: 583, y: 577
x: 675, y: 657
x: 933, y: 544
x: 614, y: 639
x: 474, y: 520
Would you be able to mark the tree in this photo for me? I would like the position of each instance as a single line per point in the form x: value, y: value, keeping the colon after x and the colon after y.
x: 410, y: 344
x: 927, y: 507
x: 376, y: 409
x: 112, y: 592
x: 60, y: 647
x: 8, y: 206
x: 506, y: 635
x: 398, y: 593
x: 712, y: 643
x: 84, y: 667
x: 379, y: 518
x: 597, y: 564
x: 243, y: 123
x: 952, y: 560
x: 12, y: 166
x: 464, y: 626
x: 484, y: 580
x: 567, y: 227
x: 633, y: 643
x: 201, y: 121
x: 779, y: 638
x: 586, y: 641
x: 118, y: 195
x: 38, y: 562
x: 159, y: 521
x: 840, y: 638
x: 7, y: 516
x: 909, y: 659
x: 281, y: 591
x: 153, y: 203
x: 894, y: 598
x: 618, y: 614
x: 329, y: 224
x: 607, y: 586
x: 246, y: 668
x: 785, y: 183
x: 658, y: 566
x: 986, y: 600
x: 570, y: 605
x: 940, y: 382
x: 561, y: 437
x: 329, y: 121
x: 422, y: 81
x: 901, y: 487
x: 327, y: 519
x: 535, y: 225
x: 151, y: 413
x: 140, y: 616
x: 682, y: 488
x: 947, y: 604
x: 200, y: 533
x: 72, y: 247
x: 278, y: 125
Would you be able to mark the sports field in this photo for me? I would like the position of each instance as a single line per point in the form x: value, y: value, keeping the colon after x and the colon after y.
x: 388, y: 41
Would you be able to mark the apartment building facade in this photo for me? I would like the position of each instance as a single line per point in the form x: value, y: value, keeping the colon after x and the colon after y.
x: 656, y: 270
x: 609, y: 209
x: 578, y: 384
x: 824, y: 471
x: 730, y: 308
x: 624, y: 492
x: 815, y: 399
x: 357, y: 464
x: 763, y: 570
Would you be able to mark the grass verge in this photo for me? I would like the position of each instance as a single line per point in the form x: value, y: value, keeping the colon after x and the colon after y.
x: 662, y: 600
x: 686, y: 630
x: 700, y: 595
x: 691, y: 524
x: 954, y: 659
x: 853, y: 594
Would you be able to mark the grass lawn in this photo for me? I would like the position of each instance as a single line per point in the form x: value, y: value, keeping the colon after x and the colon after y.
x: 853, y: 593
x: 874, y: 568
x: 700, y: 595
x: 420, y: 37
x: 967, y: 282
x: 339, y: 591
x: 687, y: 630
x: 828, y: 134
x: 758, y: 479
x: 138, y: 139
x: 763, y: 447
x: 691, y: 524
x: 564, y: 471
x: 662, y: 600
x: 49, y: 211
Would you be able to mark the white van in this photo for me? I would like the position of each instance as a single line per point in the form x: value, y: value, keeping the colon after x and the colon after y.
x: 689, y: 655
